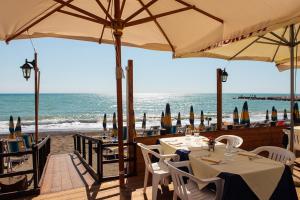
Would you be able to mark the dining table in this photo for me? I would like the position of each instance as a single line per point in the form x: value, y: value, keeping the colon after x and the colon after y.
x: 245, y: 174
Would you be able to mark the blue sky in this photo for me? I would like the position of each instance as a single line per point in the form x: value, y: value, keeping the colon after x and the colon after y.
x: 69, y: 66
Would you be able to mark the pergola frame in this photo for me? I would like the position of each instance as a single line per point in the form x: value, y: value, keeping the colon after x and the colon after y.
x: 117, y: 24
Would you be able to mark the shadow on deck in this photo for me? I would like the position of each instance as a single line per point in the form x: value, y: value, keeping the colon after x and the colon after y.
x: 66, y: 178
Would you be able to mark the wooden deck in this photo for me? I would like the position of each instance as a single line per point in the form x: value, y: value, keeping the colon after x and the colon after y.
x: 67, y: 179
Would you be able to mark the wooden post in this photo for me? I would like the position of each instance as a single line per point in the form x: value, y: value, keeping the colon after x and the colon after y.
x: 292, y: 75
x: 118, y: 26
x: 130, y: 110
x: 219, y: 99
x: 1, y: 158
x: 90, y: 153
x: 35, y: 166
x: 83, y: 148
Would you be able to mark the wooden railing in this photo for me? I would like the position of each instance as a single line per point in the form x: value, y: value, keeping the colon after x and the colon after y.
x: 39, y: 154
x: 85, y: 147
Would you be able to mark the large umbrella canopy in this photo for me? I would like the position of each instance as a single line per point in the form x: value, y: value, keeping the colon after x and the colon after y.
x: 285, y: 117
x: 245, y: 119
x: 274, y: 114
x: 296, y: 113
x: 236, y: 116
x: 167, y: 119
x: 18, y: 129
x: 104, y: 122
x: 11, y: 126
x: 178, y: 123
x: 144, y: 121
x: 192, y: 117
x: 162, y: 119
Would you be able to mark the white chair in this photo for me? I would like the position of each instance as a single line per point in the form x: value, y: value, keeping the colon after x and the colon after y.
x: 296, y: 139
x: 159, y: 170
x: 278, y: 154
x: 190, y: 190
x: 232, y: 140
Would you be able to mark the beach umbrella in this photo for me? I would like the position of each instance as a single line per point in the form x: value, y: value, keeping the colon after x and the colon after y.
x: 285, y: 117
x: 18, y: 129
x: 178, y: 123
x: 162, y: 119
x: 104, y: 122
x: 167, y: 119
x: 267, y: 115
x: 144, y: 121
x: 201, y: 126
x: 296, y: 113
x: 11, y: 127
x: 192, y: 117
x: 235, y: 116
x: 245, y: 119
x: 274, y: 114
x: 115, y: 128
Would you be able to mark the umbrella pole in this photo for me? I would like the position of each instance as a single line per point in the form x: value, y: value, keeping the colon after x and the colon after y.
x: 292, y: 44
x: 36, y: 98
x: 118, y: 34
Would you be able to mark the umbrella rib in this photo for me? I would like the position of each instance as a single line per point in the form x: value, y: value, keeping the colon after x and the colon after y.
x: 272, y: 40
x: 272, y: 43
x: 103, y: 28
x: 280, y: 38
x: 17, y: 33
x: 79, y: 16
x: 104, y: 10
x: 246, y: 47
x: 101, y: 20
x: 201, y: 11
x: 279, y: 45
x: 159, y: 27
x: 139, y: 11
x: 122, y: 7
x: 148, y: 19
x: 296, y: 35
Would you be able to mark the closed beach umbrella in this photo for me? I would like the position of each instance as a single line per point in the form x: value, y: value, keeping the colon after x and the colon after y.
x: 245, y: 119
x: 167, y: 119
x: 285, y: 117
x: 267, y: 115
x: 115, y: 128
x: 201, y: 126
x: 178, y: 123
x: 11, y: 127
x: 274, y: 114
x: 192, y: 117
x: 162, y: 119
x: 296, y: 113
x: 144, y: 121
x: 18, y: 129
x: 236, y: 116
x: 104, y: 122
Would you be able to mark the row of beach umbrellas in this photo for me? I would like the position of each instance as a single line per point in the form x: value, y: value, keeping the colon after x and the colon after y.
x: 14, y: 131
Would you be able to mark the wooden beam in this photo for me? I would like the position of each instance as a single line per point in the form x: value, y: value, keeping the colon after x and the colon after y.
x: 148, y: 19
x: 19, y: 32
x: 201, y: 11
x: 104, y: 10
x: 101, y: 20
x: 139, y: 11
x: 159, y: 27
x: 103, y: 28
x: 79, y: 16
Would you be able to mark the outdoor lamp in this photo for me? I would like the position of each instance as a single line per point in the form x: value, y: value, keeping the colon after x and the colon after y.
x: 224, y: 75
x: 26, y: 69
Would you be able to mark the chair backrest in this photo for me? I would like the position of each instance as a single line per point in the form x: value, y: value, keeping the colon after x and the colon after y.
x: 297, y: 140
x: 277, y: 154
x: 182, y: 180
x: 232, y: 140
x: 13, y: 146
x: 146, y: 151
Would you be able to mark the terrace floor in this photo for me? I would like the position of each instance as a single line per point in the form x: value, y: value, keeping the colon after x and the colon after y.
x: 66, y: 178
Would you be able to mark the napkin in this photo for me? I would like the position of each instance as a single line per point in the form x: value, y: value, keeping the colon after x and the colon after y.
x: 212, y: 160
x: 249, y: 154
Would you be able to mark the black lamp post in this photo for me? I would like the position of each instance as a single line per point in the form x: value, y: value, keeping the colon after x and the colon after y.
x: 221, y: 77
x: 26, y: 69
x: 224, y: 75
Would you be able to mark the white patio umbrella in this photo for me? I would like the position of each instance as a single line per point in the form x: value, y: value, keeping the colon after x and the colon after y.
x: 179, y: 26
x: 274, y: 44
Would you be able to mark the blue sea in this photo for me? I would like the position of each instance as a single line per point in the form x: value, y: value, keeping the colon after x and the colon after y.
x: 68, y: 112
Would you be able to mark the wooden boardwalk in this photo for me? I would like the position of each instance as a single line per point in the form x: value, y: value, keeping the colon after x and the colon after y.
x: 67, y: 179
